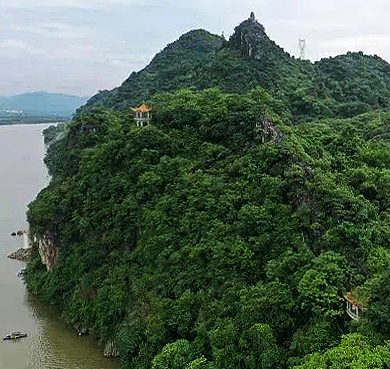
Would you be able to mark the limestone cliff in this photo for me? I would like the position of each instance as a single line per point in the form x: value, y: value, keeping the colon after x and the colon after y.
x: 251, y: 39
x: 49, y: 250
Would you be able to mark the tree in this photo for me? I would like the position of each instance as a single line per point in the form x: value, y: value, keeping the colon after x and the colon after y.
x: 354, y: 351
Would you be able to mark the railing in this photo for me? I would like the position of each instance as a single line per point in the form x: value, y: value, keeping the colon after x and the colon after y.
x: 353, y: 312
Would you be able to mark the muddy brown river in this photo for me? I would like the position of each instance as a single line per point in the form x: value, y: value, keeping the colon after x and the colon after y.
x: 49, y: 344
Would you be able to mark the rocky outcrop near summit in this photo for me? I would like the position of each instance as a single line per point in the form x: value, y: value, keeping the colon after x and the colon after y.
x: 250, y: 38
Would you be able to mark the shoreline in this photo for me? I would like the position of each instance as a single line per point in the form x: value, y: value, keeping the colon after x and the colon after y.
x: 32, y: 123
x: 21, y: 254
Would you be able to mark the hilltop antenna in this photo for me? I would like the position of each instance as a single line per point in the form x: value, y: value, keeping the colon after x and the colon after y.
x: 302, y: 48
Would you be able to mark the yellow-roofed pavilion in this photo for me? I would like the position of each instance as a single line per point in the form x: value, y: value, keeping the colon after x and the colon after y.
x: 142, y: 115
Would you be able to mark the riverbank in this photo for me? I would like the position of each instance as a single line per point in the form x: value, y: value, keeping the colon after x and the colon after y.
x: 21, y: 254
x: 50, y: 343
x: 4, y: 122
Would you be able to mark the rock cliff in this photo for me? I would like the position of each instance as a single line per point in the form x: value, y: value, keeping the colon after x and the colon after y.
x: 49, y: 250
x: 250, y: 38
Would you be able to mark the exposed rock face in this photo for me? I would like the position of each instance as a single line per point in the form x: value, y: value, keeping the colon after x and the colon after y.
x: 267, y: 131
x: 110, y: 350
x: 250, y: 38
x: 49, y: 251
x: 21, y: 254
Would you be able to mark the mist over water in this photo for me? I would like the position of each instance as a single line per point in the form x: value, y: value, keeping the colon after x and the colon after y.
x: 50, y: 344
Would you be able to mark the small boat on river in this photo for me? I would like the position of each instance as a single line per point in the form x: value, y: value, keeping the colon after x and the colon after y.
x: 14, y: 335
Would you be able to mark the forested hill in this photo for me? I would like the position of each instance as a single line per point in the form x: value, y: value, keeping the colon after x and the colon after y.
x: 342, y: 86
x: 229, y: 232
x: 201, y: 60
x: 356, y: 77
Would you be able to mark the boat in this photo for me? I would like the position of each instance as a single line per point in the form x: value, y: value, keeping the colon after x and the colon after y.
x: 14, y: 335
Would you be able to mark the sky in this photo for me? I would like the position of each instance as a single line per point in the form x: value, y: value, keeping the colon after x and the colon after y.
x: 79, y: 47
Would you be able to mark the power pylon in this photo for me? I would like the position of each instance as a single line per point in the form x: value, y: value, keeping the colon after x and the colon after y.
x: 302, y: 48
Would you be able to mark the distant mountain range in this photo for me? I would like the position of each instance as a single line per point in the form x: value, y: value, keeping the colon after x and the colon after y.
x: 41, y: 104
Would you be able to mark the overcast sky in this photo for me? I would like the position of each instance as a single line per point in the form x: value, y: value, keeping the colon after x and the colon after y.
x: 82, y: 46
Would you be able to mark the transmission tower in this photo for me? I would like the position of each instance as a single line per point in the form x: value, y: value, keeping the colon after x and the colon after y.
x: 302, y: 48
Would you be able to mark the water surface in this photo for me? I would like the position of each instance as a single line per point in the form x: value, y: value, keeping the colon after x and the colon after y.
x: 50, y: 344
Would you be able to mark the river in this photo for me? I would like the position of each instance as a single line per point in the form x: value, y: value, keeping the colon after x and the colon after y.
x: 49, y: 344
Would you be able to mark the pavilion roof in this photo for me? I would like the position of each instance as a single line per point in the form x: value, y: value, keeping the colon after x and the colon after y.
x: 358, y: 297
x: 350, y: 298
x: 142, y: 109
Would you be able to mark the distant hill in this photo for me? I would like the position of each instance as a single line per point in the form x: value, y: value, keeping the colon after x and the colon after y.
x: 43, y: 104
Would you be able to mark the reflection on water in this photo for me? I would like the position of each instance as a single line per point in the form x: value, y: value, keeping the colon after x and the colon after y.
x: 54, y: 345
x: 49, y: 344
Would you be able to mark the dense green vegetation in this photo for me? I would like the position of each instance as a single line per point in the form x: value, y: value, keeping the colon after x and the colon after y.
x: 201, y: 60
x: 227, y: 232
x: 343, y: 86
x: 53, y: 133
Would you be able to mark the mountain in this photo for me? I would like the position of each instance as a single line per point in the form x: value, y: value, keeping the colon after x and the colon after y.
x: 199, y: 60
x: 246, y: 226
x: 180, y: 64
x: 43, y: 103
x: 355, y: 77
x: 342, y: 86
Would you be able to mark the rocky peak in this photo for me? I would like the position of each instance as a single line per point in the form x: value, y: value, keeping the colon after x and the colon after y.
x: 249, y: 37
